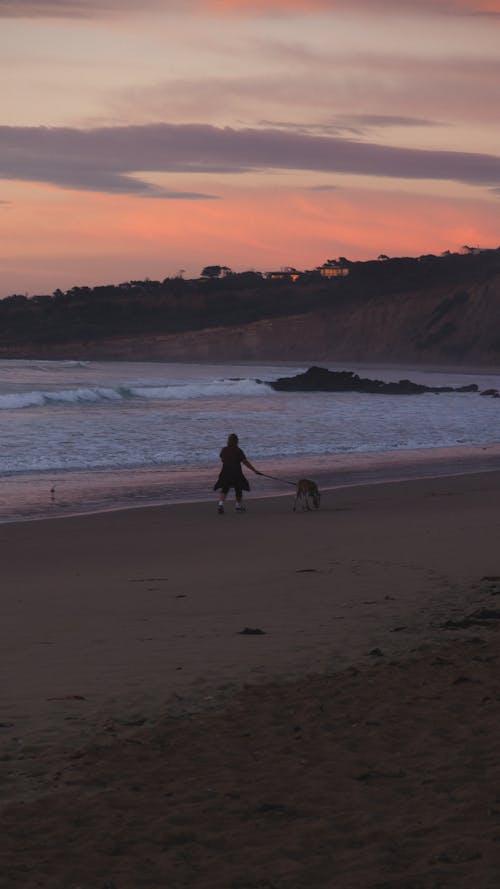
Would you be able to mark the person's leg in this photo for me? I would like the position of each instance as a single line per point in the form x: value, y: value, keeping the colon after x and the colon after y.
x: 220, y: 503
x: 239, y: 497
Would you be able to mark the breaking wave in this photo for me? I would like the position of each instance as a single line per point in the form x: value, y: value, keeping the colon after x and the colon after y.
x: 82, y: 395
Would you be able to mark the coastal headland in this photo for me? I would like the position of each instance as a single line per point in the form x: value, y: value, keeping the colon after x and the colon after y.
x: 425, y: 311
x: 259, y: 700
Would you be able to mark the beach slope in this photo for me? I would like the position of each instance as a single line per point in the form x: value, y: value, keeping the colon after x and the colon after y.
x: 260, y: 700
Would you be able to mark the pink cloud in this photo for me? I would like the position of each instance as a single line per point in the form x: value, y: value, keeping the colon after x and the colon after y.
x: 92, y: 8
x: 263, y: 6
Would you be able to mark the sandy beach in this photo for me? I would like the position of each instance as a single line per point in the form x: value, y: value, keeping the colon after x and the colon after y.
x: 260, y: 701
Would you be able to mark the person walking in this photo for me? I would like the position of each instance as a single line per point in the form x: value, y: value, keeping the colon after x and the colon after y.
x: 231, y: 474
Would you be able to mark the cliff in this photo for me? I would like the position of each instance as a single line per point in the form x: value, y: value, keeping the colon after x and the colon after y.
x: 447, y: 324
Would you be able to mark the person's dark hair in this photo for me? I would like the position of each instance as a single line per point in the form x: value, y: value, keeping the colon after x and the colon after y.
x: 232, y: 439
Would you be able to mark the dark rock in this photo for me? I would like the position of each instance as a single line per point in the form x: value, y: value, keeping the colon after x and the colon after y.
x: 479, y: 617
x: 319, y: 379
x: 68, y: 698
x: 251, y: 631
x: 277, y: 809
x: 485, y: 614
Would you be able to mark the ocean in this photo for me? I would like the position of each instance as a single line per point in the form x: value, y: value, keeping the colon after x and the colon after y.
x: 80, y: 436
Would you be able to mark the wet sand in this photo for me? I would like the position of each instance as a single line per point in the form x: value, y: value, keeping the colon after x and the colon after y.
x: 148, y: 738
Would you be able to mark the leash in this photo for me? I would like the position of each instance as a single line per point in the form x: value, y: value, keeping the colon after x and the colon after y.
x: 284, y: 480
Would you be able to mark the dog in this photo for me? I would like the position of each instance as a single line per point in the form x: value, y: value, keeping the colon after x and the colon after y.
x: 307, y: 492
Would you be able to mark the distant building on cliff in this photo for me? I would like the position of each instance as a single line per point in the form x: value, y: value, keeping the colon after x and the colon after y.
x: 334, y: 268
x: 285, y: 274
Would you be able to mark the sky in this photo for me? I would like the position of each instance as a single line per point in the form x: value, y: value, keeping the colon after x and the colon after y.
x: 149, y: 138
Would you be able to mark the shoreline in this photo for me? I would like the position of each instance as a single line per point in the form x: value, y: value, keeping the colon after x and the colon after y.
x: 27, y: 497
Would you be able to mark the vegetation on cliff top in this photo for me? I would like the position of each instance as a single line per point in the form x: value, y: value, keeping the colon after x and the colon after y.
x: 173, y: 305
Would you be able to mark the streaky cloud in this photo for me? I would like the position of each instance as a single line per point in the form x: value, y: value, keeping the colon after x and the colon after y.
x: 113, y: 159
x: 94, y: 8
x: 352, y: 123
x: 474, y: 7
x: 71, y: 9
x: 385, y: 120
x: 35, y: 9
x: 469, y: 7
x: 321, y: 188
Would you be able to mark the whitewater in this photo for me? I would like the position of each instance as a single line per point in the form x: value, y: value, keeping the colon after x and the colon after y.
x: 79, y: 436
